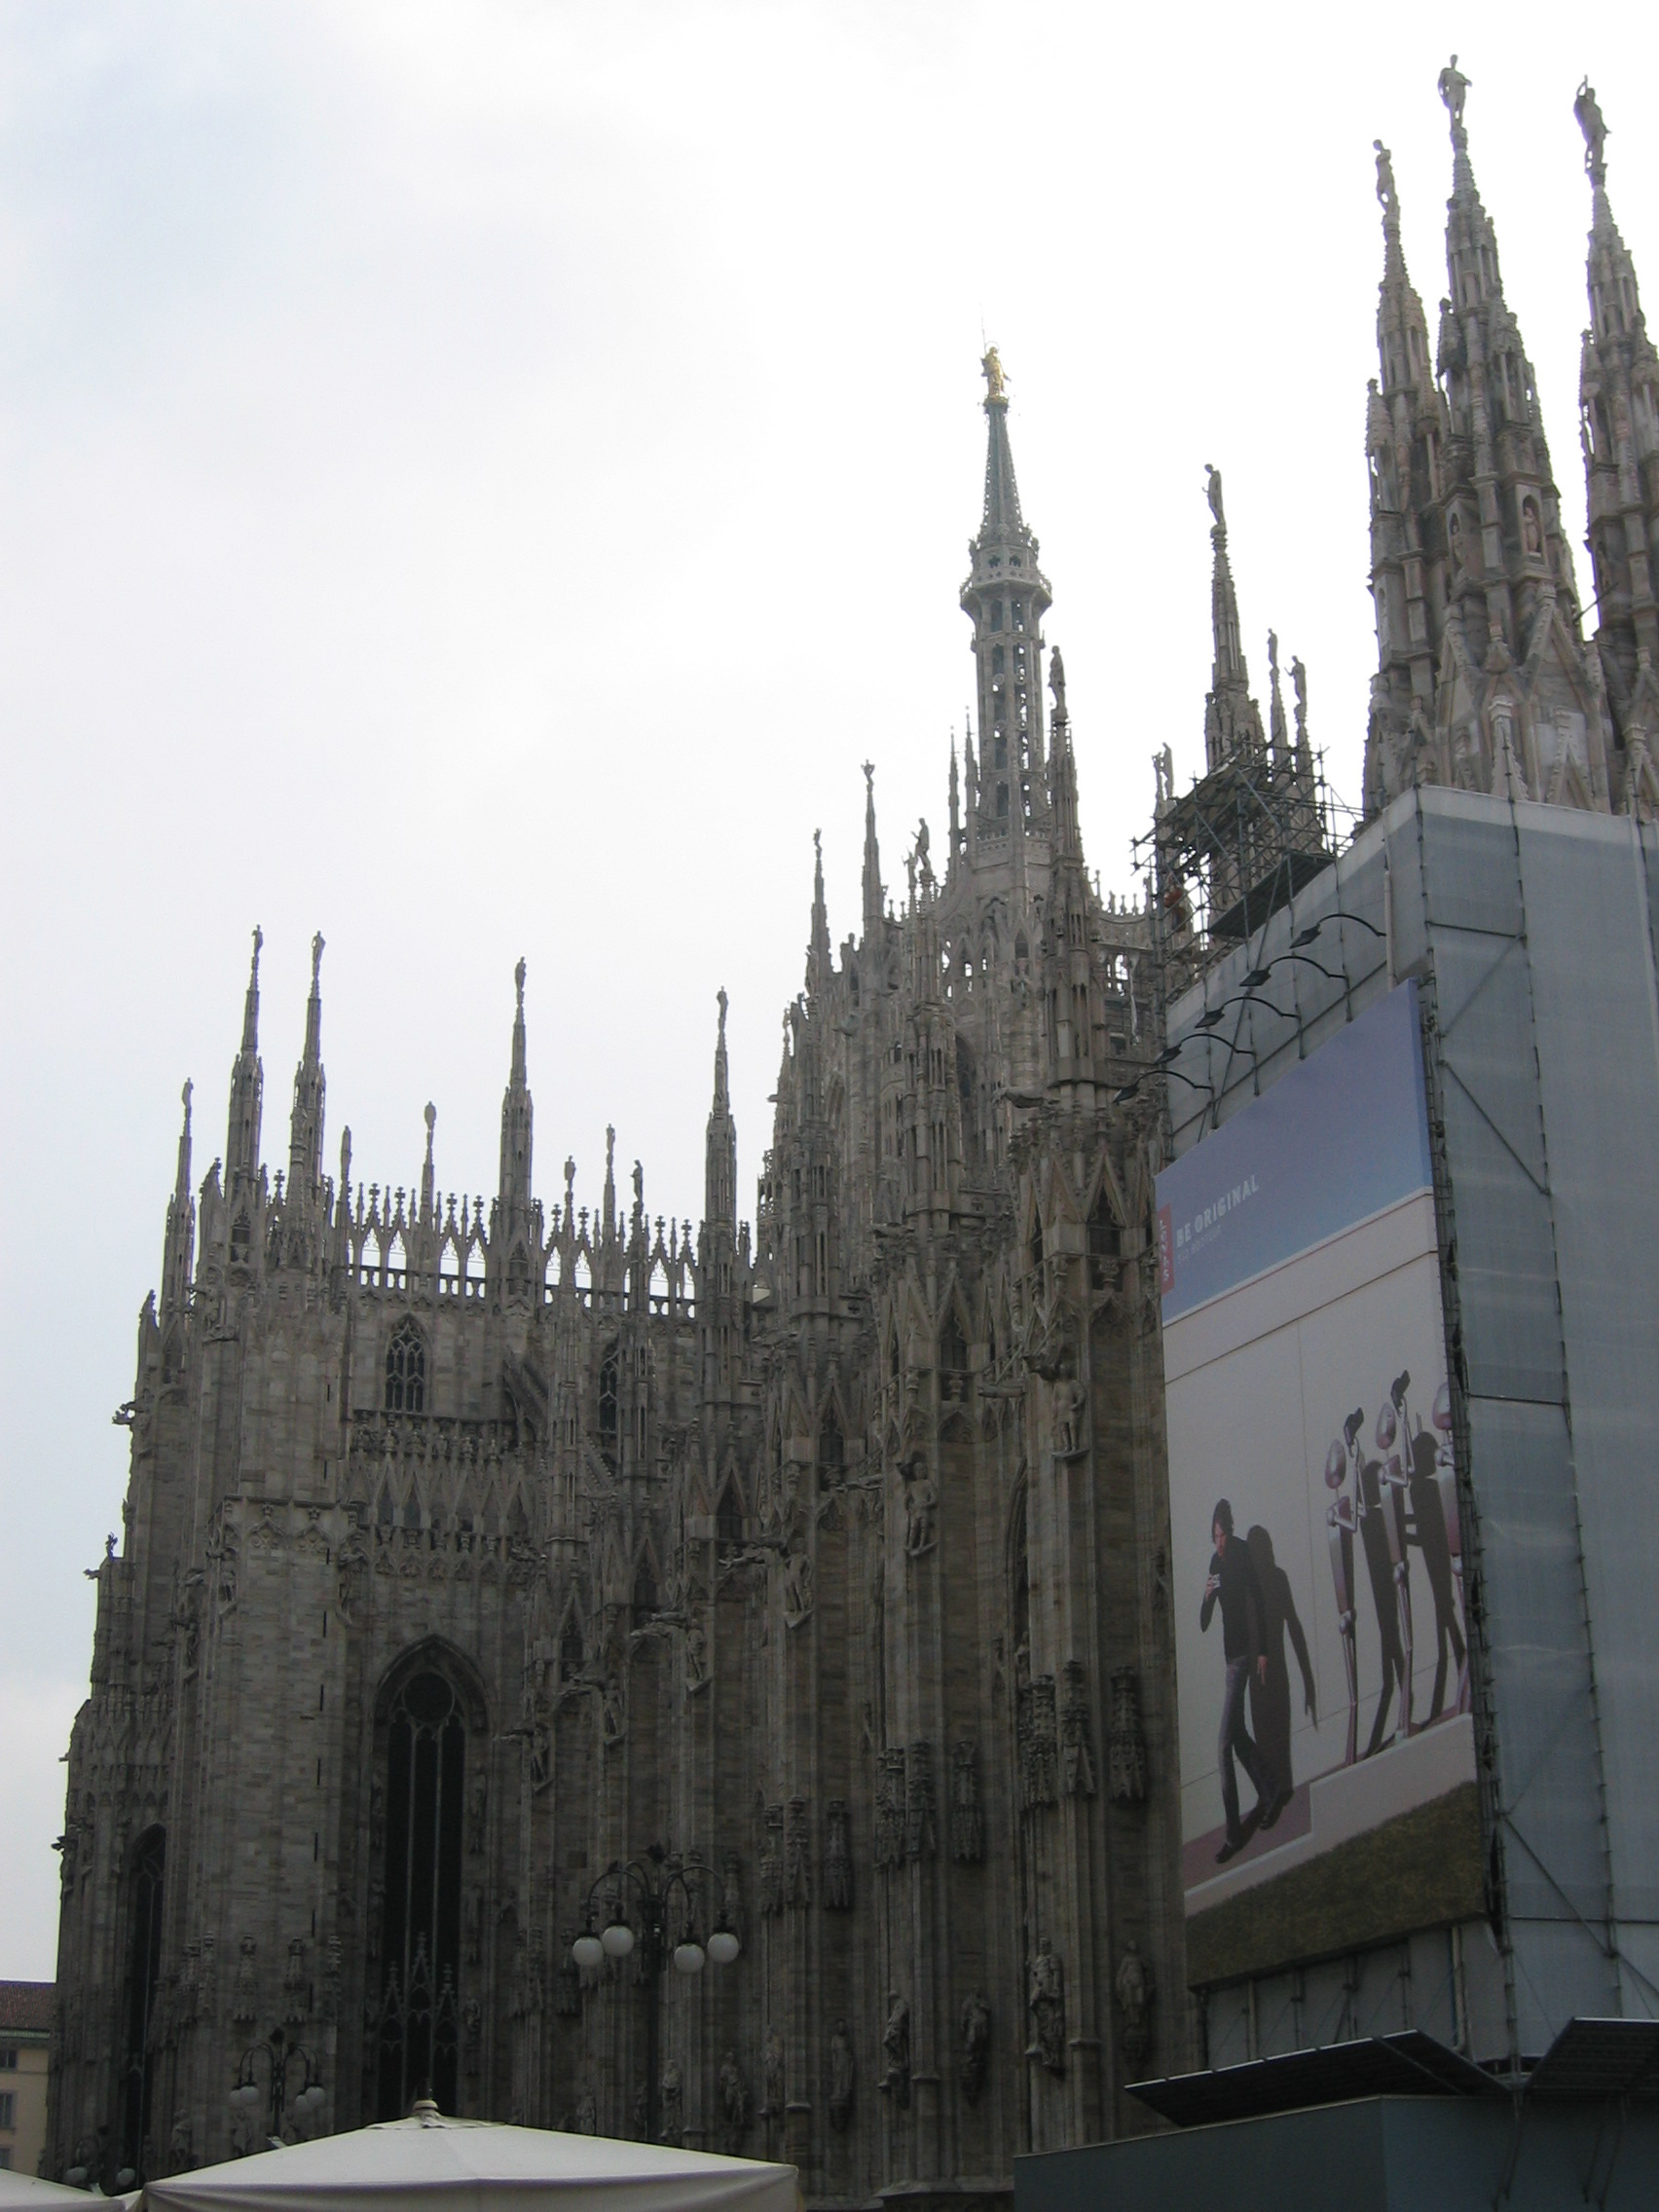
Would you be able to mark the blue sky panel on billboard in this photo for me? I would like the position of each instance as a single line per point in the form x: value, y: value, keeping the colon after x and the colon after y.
x: 1337, y: 1140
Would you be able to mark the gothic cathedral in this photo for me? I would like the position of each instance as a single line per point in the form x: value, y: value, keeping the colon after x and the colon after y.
x: 490, y: 1568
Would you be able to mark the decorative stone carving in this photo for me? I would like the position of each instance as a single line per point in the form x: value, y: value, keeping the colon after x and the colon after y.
x: 797, y: 1855
x: 472, y: 1924
x: 734, y: 2105
x: 294, y: 2007
x: 890, y: 1809
x: 1077, y: 1746
x: 921, y: 1835
x: 588, y: 2114
x: 1048, y: 2004
x: 838, y: 1860
x: 895, y: 2048
x: 842, y: 2067
x: 773, y: 2067
x: 472, y: 2035
x: 567, y: 1982
x: 613, y: 1716
x: 1037, y: 1746
x: 772, y: 1860
x: 377, y: 1813
x: 967, y: 1820
x: 477, y: 1811
x: 351, y: 1580
x: 244, y: 2010
x: 1133, y: 1990
x: 1127, y: 1751
x: 975, y: 2026
x: 376, y: 1921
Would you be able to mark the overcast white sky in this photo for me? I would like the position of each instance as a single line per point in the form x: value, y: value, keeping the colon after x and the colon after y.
x: 477, y: 480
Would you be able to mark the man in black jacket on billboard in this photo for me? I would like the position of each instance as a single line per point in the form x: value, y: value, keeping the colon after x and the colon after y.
x: 1244, y: 1646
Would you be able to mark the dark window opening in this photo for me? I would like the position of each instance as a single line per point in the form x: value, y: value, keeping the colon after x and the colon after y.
x: 728, y: 1521
x: 953, y: 1347
x: 241, y: 1239
x: 832, y: 1447
x: 143, y: 1973
x: 425, y: 1776
x: 405, y: 1371
x: 572, y: 1656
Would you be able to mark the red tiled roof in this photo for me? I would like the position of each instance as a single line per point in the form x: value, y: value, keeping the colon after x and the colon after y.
x: 27, y: 2008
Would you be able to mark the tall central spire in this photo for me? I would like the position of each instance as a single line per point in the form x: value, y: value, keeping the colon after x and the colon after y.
x: 1006, y: 596
x: 517, y: 1121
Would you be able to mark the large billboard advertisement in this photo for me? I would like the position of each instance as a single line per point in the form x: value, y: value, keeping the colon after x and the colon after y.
x: 1327, y: 1760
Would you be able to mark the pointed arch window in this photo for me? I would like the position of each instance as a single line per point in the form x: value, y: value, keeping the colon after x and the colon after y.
x: 610, y: 1375
x: 728, y: 1521
x: 424, y: 1760
x: 832, y: 1447
x: 406, y: 1371
x: 143, y: 1976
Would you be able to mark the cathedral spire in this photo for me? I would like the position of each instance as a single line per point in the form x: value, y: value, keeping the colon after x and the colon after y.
x: 305, y: 1128
x: 872, y: 900
x: 247, y: 1085
x: 719, y: 1151
x: 819, y: 960
x: 1233, y: 722
x: 178, y: 1251
x: 1006, y: 596
x: 1618, y: 383
x: 517, y: 1119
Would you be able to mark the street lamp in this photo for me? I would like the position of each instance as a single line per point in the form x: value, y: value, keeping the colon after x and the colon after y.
x: 280, y: 2056
x: 653, y: 1884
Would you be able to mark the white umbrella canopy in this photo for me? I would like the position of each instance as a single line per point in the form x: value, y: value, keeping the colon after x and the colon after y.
x: 20, y: 2191
x: 434, y: 2164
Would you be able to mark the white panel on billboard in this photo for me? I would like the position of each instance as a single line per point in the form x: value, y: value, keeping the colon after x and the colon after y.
x: 1320, y: 1636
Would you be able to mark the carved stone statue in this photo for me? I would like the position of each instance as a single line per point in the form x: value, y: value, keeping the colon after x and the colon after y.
x: 1587, y: 109
x: 1133, y: 1990
x: 612, y: 1726
x: 245, y: 1989
x: 696, y: 1658
x: 181, y: 2158
x: 842, y: 2065
x: 996, y: 380
x: 1070, y: 1411
x: 975, y: 2045
x: 477, y: 1806
x: 921, y: 1503
x: 1453, y: 89
x: 734, y: 2104
x: 1057, y: 682
x: 1212, y: 490
x: 1077, y: 1736
x: 1048, y: 2003
x: 588, y: 2114
x: 1386, y: 191
x: 773, y: 2064
x: 670, y: 2106
x: 896, y: 2046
